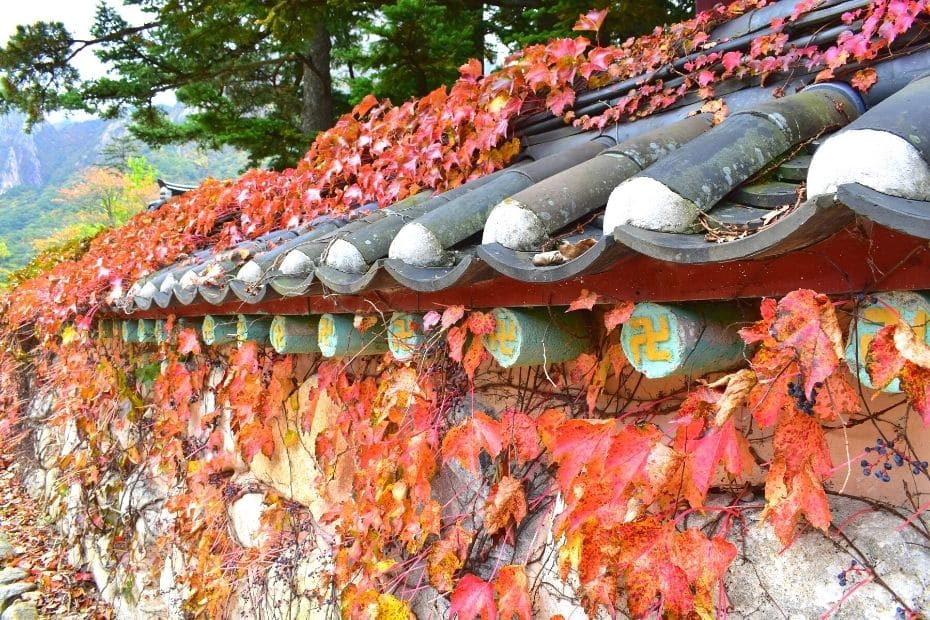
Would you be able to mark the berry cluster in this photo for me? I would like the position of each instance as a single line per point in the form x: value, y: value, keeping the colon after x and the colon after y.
x: 853, y: 573
x: 885, y: 456
x: 803, y: 403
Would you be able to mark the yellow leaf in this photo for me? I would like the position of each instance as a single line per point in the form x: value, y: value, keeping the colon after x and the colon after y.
x: 291, y: 438
x: 498, y: 103
x: 69, y: 335
x: 392, y: 608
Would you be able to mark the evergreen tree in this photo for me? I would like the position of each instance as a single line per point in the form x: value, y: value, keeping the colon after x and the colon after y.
x: 265, y: 76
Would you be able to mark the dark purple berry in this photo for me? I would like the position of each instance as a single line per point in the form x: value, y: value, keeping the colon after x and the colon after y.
x: 864, y: 463
x: 888, y: 465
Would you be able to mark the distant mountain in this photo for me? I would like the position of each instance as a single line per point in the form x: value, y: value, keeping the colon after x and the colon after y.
x: 34, y: 166
x: 19, y: 155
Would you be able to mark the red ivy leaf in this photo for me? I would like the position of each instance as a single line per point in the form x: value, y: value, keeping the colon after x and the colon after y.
x: 513, y: 597
x: 452, y: 315
x: 473, y: 598
x: 465, y: 441
x: 618, y: 315
x: 794, y: 484
x: 590, y: 21
x: 585, y: 301
x: 915, y: 382
x: 506, y: 505
x: 188, y: 342
x: 481, y: 323
x: 456, y: 340
x: 473, y: 358
x: 519, y: 431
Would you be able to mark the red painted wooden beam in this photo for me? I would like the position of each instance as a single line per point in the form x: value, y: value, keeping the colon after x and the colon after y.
x: 856, y: 260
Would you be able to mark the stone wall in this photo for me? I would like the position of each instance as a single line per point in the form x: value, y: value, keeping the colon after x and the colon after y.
x: 871, y: 544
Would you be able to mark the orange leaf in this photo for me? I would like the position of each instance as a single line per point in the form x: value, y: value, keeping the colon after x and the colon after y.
x: 618, y: 315
x: 585, y: 301
x: 863, y: 79
x: 506, y: 504
x: 794, y: 484
x: 513, y: 597
x: 519, y: 430
x: 481, y: 323
x: 465, y: 441
x: 456, y: 340
x: 446, y: 557
x: 188, y: 342
x: 590, y: 21
x: 473, y: 357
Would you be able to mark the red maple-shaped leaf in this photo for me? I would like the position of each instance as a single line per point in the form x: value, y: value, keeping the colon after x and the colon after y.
x: 590, y: 21
x: 705, y: 563
x: 794, y: 483
x: 883, y: 361
x: 506, y: 505
x: 473, y: 598
x: 452, y: 315
x: 465, y: 441
x: 718, y: 446
x: 456, y: 339
x: 577, y: 444
x: 915, y: 382
x: 188, y: 342
x: 585, y: 301
x: 618, y: 315
x: 481, y: 323
x: 513, y: 597
x: 255, y: 437
x: 519, y: 431
x: 897, y: 352
x: 806, y: 322
x: 473, y: 357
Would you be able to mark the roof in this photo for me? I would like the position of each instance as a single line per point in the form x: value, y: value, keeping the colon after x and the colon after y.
x: 674, y: 196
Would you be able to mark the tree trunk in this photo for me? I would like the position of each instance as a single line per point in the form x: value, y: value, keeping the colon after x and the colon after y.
x: 317, y: 106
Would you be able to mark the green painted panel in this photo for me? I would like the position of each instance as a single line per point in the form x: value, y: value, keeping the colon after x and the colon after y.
x: 662, y: 340
x: 295, y: 334
x: 537, y: 336
x: 405, y: 334
x: 253, y: 327
x: 218, y: 330
x: 145, y: 330
x: 337, y: 337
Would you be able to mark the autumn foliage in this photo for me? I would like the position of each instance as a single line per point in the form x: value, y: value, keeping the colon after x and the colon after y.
x: 626, y: 492
x: 382, y: 152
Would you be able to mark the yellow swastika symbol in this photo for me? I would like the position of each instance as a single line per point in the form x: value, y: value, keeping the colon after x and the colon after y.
x: 504, y: 338
x: 402, y: 329
x: 646, y: 338
x: 880, y: 317
x: 327, y: 330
